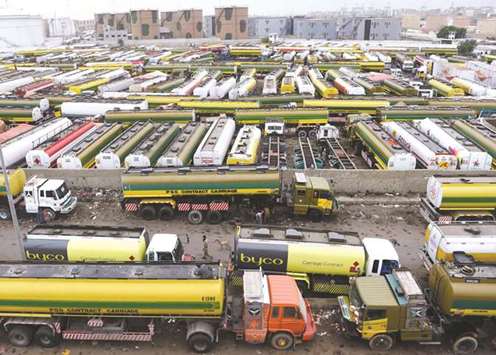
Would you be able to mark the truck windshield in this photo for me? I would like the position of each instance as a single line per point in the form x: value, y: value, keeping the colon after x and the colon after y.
x: 388, y: 266
x: 355, y: 299
x: 62, y: 191
x: 325, y: 194
x: 303, y: 308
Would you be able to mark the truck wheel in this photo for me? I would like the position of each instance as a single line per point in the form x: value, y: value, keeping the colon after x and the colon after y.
x: 214, y: 217
x: 46, y: 337
x: 281, y: 341
x: 195, y: 217
x: 312, y: 134
x: 466, y: 344
x: 315, y: 215
x: 4, y: 214
x: 148, y: 213
x: 21, y: 335
x: 48, y: 215
x: 381, y: 342
x: 166, y: 213
x: 302, y: 133
x: 200, y: 343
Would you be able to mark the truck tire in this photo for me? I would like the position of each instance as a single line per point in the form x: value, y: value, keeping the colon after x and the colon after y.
x: 312, y: 134
x: 21, y: 335
x: 195, y: 217
x: 302, y: 133
x: 381, y: 342
x: 315, y: 215
x: 46, y: 338
x: 200, y: 343
x: 148, y: 212
x: 166, y: 213
x: 282, y: 341
x: 4, y: 213
x: 465, y: 344
x: 214, y: 217
x: 48, y: 214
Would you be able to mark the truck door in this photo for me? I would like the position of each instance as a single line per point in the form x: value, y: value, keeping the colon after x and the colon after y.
x: 291, y: 320
x: 300, y: 200
x: 47, y: 199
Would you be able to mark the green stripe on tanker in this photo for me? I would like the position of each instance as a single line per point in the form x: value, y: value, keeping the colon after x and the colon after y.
x: 289, y: 116
x: 379, y: 149
x: 460, y: 194
x: 486, y: 142
x: 87, y: 155
x: 159, y: 116
x: 194, y: 183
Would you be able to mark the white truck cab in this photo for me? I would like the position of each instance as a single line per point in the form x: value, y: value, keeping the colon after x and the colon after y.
x: 166, y: 248
x: 382, y: 257
x: 327, y: 131
x: 51, y: 195
x: 274, y: 128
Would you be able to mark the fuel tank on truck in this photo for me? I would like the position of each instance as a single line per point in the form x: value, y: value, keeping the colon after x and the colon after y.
x: 304, y: 257
x: 464, y: 290
x: 112, y: 289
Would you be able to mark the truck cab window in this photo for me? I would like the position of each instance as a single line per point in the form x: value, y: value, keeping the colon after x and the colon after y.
x: 275, y: 312
x: 375, y: 314
x: 300, y: 192
x: 50, y: 194
x: 164, y: 257
x: 289, y: 312
x: 388, y: 266
x: 62, y: 191
x: 375, y: 266
x: 42, y: 193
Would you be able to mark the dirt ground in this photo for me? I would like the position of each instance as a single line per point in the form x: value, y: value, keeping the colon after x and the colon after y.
x: 401, y: 224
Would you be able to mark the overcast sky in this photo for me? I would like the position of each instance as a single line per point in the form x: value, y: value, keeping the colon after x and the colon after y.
x: 82, y: 9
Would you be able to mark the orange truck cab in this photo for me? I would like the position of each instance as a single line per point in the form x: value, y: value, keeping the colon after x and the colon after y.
x: 275, y: 311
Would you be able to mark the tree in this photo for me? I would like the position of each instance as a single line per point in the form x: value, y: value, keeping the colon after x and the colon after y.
x: 446, y: 30
x: 467, y: 47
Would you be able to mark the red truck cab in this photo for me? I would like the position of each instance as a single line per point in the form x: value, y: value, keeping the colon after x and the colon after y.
x: 276, y: 312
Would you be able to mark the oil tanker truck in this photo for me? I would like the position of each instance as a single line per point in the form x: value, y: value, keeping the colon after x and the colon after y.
x: 130, y: 302
x: 51, y: 196
x: 80, y: 243
x: 473, y: 241
x: 321, y: 261
x: 213, y: 193
x: 458, y: 308
x: 459, y: 199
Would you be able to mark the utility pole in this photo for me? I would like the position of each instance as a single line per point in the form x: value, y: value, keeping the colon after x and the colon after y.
x: 13, y: 212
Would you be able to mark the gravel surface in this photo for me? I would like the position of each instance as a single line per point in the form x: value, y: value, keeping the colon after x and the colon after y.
x: 401, y: 224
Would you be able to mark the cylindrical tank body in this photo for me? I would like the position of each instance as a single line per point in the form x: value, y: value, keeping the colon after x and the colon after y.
x: 469, y: 87
x: 82, y: 155
x: 458, y: 291
x: 244, y: 88
x: 222, y: 89
x: 100, y: 108
x: 290, y: 116
x: 16, y: 149
x: 232, y: 183
x: 147, y: 152
x: 387, y: 151
x: 17, y: 180
x: 112, y: 156
x: 478, y: 133
x: 462, y: 193
x: 304, y: 257
x: 445, y: 89
x: 202, y: 91
x: 348, y: 105
x: 134, y: 295
x: 245, y: 147
x: 348, y: 87
x: 116, y: 86
x: 415, y: 144
x: 155, y: 116
x: 46, y: 156
x: 14, y: 132
x: 213, y: 148
x: 305, y: 86
x: 187, y: 88
x: 181, y: 151
x: 11, y: 85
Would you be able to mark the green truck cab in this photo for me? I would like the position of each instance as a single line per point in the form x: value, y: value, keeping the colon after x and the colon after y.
x: 458, y: 306
x: 312, y: 196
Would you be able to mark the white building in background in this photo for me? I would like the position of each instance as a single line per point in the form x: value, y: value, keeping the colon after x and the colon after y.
x: 61, y: 27
x: 20, y: 30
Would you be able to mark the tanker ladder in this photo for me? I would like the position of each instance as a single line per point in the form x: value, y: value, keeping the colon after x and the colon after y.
x: 307, y: 153
x: 336, y: 155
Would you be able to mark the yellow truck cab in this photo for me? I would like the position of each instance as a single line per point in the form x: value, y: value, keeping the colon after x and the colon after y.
x: 312, y: 196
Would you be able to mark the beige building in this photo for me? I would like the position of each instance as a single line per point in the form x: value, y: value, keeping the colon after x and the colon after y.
x: 462, y: 21
x: 231, y: 22
x: 487, y: 27
x: 182, y: 23
x: 145, y: 24
x: 435, y: 22
x: 84, y: 26
x: 105, y: 23
x: 410, y: 22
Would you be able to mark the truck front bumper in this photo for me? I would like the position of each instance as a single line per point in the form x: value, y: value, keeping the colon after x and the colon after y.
x: 69, y: 206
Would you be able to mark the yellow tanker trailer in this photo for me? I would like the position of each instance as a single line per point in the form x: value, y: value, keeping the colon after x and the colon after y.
x: 459, y: 199
x: 127, y: 302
